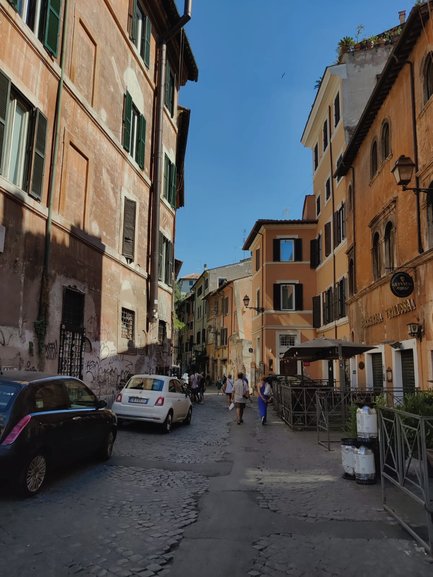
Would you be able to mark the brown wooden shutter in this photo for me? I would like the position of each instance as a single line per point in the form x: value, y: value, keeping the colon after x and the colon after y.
x: 130, y: 25
x: 298, y: 249
x: 316, y: 312
x: 314, y: 253
x: 277, y: 297
x: 327, y: 239
x: 299, y: 297
x: 129, y: 212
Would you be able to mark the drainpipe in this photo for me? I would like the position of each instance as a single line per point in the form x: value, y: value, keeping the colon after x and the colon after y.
x: 41, y: 323
x: 158, y: 170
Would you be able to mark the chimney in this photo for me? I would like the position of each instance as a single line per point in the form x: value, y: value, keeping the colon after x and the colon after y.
x: 402, y: 16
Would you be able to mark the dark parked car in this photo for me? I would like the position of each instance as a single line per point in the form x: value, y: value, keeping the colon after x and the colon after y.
x: 46, y: 421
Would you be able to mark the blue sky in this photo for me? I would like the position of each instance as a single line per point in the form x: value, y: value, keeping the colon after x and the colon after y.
x: 258, y: 65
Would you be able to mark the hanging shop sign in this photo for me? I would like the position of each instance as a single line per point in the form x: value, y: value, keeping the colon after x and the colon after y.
x: 401, y: 284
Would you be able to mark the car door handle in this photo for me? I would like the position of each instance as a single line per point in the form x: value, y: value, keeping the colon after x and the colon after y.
x: 76, y: 418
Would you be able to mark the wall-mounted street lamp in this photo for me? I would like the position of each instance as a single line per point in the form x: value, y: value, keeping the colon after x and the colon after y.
x: 415, y: 330
x: 246, y: 300
x: 403, y: 171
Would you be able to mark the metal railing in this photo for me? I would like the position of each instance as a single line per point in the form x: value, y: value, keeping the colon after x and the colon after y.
x: 334, y: 407
x: 296, y: 403
x: 406, y: 460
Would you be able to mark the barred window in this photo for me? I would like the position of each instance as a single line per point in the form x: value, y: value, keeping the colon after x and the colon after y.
x: 287, y: 340
x: 128, y: 324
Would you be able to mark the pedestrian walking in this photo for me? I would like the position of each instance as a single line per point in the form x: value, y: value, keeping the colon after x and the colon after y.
x: 228, y: 389
x: 264, y: 393
x: 240, y: 396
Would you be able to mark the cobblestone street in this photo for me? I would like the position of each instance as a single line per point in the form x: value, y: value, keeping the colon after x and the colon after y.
x: 209, y: 499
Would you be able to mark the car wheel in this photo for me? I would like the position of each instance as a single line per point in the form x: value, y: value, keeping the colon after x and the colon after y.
x: 188, y: 418
x: 166, y: 426
x: 32, y: 475
x: 107, y: 448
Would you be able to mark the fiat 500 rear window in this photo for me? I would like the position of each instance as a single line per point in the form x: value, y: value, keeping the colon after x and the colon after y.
x: 145, y: 384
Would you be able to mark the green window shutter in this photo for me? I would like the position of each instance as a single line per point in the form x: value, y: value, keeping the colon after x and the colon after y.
x: 167, y: 83
x: 161, y: 255
x: 52, y: 25
x: 172, y: 198
x: 127, y: 115
x: 38, y: 155
x: 165, y: 192
x: 131, y: 19
x: 147, y: 42
x: 141, y: 144
x: 14, y: 4
x: 5, y: 88
x: 168, y: 263
x: 128, y: 245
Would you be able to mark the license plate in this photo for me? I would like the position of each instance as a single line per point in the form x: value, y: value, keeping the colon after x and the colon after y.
x: 137, y: 401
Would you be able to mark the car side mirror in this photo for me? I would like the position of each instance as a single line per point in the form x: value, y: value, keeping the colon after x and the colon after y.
x: 100, y: 404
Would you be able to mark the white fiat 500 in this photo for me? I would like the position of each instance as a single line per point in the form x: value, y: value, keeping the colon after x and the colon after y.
x: 154, y: 399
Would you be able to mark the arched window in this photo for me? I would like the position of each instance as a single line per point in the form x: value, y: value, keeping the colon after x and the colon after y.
x: 373, y: 159
x: 376, y: 257
x: 384, y: 141
x: 389, y: 246
x: 428, y: 77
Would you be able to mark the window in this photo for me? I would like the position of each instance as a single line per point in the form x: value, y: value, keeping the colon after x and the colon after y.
x: 428, y: 77
x: 22, y: 140
x: 139, y: 28
x: 318, y: 205
x: 169, y: 89
x: 325, y: 135
x: 316, y: 251
x: 287, y: 249
x: 317, y: 319
x: 287, y: 341
x: 166, y: 256
x: 169, y: 189
x: 198, y: 338
x: 127, y: 324
x: 128, y: 242
x: 257, y: 259
x: 288, y: 296
x: 339, y: 225
x: 384, y: 141
x: 328, y: 246
x: 225, y: 306
x: 341, y: 298
x: 79, y: 395
x: 351, y: 277
x: 221, y: 281
x: 223, y: 337
x: 328, y: 189
x: 373, y: 159
x: 376, y: 256
x: 327, y: 306
x: 316, y: 156
x: 339, y: 161
x: 337, y: 109
x: 389, y: 247
x: 43, y: 17
x: 134, y: 131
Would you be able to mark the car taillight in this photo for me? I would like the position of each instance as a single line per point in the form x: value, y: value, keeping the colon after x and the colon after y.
x: 20, y: 426
x: 119, y: 398
x: 159, y: 402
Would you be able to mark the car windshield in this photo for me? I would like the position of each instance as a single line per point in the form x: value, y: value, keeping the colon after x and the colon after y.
x: 8, y: 392
x: 145, y: 384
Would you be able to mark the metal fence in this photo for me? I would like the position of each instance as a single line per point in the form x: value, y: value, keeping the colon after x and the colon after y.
x: 296, y: 403
x: 406, y: 457
x: 334, y: 409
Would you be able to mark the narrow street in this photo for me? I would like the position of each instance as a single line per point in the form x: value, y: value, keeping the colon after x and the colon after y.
x: 210, y: 499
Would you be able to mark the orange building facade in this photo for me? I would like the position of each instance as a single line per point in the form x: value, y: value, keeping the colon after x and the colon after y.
x: 390, y: 230
x: 282, y: 288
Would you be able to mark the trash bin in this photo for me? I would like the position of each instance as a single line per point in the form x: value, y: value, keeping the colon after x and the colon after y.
x: 366, y: 422
x: 348, y: 446
x: 365, y: 468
